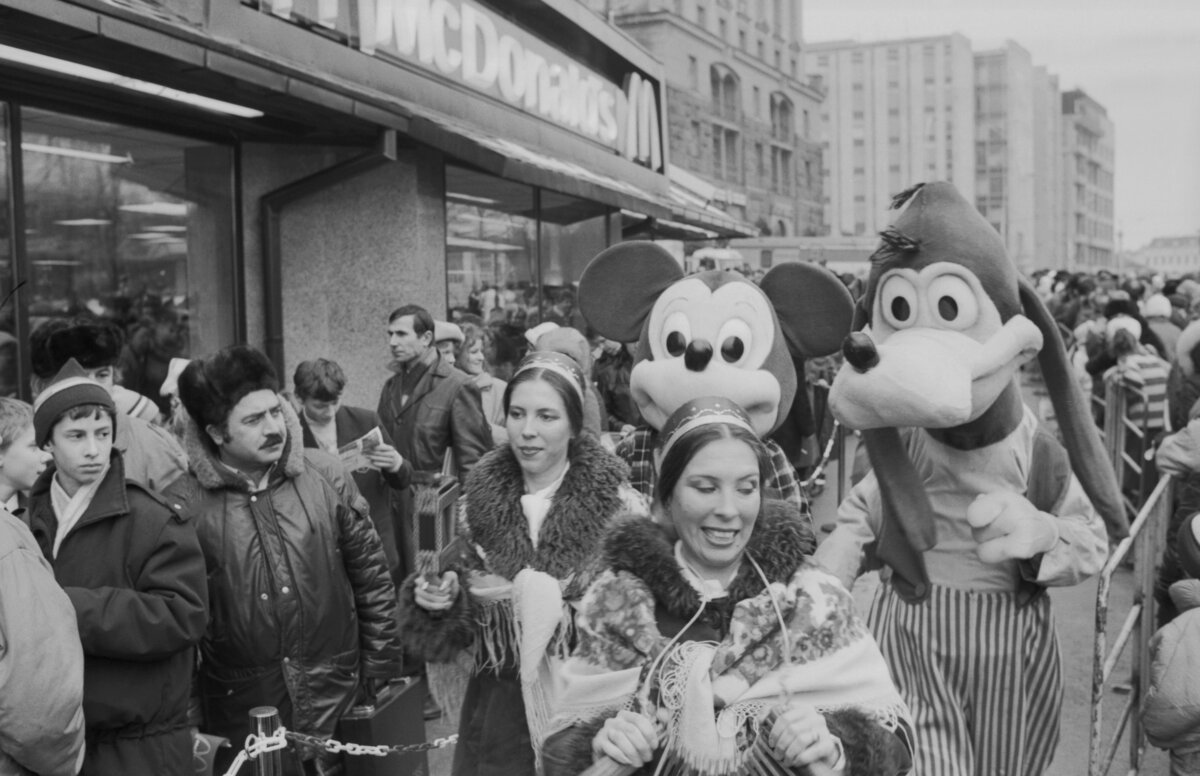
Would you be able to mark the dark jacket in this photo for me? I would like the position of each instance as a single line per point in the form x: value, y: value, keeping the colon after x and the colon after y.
x: 443, y: 410
x: 133, y: 570
x: 301, y: 598
x: 350, y: 423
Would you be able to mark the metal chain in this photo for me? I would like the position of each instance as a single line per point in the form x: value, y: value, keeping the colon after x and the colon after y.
x: 260, y: 745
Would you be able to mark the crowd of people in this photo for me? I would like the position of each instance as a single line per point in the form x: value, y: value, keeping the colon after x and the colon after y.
x: 650, y: 594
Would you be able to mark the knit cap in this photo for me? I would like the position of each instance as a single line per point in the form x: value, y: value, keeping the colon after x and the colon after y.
x: 70, y: 388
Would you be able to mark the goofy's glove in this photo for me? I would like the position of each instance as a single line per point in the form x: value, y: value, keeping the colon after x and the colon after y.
x: 1008, y: 527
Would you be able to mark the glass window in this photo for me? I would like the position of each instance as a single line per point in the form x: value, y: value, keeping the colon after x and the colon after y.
x: 491, y: 257
x: 573, y: 231
x: 511, y: 268
x: 131, y: 226
x: 8, y: 313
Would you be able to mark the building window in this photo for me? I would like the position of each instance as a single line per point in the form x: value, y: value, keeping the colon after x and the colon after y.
x: 760, y: 164
x: 781, y: 170
x: 722, y: 29
x: 757, y: 102
x: 778, y: 59
x: 725, y: 97
x: 781, y: 118
x: 725, y: 147
x: 701, y: 15
x: 693, y: 74
x: 795, y: 68
x: 742, y: 39
x: 128, y: 225
x: 762, y: 50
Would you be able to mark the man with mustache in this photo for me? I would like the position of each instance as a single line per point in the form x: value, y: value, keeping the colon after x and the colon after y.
x: 303, y: 607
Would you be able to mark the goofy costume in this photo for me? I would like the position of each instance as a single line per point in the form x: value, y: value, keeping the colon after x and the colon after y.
x: 971, y: 507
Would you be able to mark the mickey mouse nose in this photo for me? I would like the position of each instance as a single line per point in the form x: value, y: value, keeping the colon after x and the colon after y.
x: 860, y: 351
x: 697, y: 355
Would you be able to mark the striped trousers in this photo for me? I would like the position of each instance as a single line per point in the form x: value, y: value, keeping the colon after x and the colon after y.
x: 981, y: 677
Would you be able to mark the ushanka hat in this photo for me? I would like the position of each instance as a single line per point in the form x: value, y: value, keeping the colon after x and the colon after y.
x: 559, y: 363
x: 71, y: 388
x: 704, y: 411
x: 91, y: 343
x: 211, y: 387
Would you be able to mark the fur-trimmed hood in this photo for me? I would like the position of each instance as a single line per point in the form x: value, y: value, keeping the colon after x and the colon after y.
x: 780, y: 543
x: 588, y: 499
x: 214, y: 475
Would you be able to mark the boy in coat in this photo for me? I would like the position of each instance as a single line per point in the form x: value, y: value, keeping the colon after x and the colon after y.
x: 132, y: 567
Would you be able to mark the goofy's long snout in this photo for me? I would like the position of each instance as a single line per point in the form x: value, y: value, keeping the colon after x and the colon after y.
x: 860, y: 352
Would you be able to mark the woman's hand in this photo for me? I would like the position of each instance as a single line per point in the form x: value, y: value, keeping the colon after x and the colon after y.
x: 629, y: 738
x: 437, y: 595
x: 800, y: 737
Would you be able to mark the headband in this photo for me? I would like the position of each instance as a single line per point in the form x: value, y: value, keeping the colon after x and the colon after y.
x: 558, y: 363
x: 701, y: 412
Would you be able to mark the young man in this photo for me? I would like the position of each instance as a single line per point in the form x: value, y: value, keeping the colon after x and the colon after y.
x: 133, y: 570
x: 328, y: 425
x: 150, y: 454
x: 41, y: 665
x: 304, y: 610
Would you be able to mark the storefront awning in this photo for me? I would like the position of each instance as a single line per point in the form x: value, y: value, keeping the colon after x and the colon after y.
x: 678, y: 212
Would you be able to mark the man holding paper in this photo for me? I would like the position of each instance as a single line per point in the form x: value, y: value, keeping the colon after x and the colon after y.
x: 355, y: 435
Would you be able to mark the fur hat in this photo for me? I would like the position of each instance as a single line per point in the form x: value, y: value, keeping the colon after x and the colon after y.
x: 71, y: 388
x: 1123, y: 323
x: 211, y: 387
x: 91, y: 343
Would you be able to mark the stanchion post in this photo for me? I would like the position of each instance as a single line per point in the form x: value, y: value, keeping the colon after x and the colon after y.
x: 265, y: 721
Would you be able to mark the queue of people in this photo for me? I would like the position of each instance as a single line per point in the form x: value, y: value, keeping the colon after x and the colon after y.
x: 650, y: 596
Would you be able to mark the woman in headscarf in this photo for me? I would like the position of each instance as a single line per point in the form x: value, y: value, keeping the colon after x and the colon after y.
x: 709, y: 641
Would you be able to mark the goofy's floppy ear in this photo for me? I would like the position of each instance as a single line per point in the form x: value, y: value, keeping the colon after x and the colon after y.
x: 814, y: 307
x: 618, y: 288
x: 906, y: 527
x: 1079, y: 433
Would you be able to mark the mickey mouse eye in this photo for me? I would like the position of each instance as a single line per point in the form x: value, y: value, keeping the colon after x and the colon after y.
x: 677, y: 330
x: 954, y: 301
x: 898, y: 301
x: 732, y: 349
x: 736, y: 340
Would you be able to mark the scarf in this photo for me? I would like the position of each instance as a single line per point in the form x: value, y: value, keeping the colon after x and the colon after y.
x: 68, y: 509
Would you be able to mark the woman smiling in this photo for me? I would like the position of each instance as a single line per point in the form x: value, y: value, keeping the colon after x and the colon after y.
x: 722, y: 651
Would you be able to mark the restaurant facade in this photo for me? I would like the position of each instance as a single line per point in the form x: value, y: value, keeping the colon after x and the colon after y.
x: 286, y: 172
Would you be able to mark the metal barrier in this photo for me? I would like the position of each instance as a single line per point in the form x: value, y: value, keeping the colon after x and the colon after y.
x: 1147, y: 538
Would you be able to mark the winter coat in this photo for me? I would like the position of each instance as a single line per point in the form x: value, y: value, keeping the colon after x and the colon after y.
x: 642, y: 600
x: 1171, y: 710
x: 132, y: 567
x: 302, y: 602
x: 41, y: 662
x: 442, y: 410
x: 494, y: 736
x: 376, y: 486
x: 151, y: 455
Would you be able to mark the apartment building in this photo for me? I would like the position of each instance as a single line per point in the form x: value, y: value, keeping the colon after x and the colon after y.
x: 1088, y: 140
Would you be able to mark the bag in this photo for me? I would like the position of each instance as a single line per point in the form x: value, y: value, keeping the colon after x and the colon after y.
x: 396, y: 718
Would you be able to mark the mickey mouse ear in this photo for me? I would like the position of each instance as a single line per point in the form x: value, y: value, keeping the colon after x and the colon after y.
x: 618, y: 288
x: 814, y: 307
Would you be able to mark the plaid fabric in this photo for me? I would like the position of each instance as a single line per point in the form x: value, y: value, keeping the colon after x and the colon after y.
x: 637, y: 449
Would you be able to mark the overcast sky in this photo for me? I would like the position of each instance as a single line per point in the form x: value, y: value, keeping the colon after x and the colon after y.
x: 1138, y: 58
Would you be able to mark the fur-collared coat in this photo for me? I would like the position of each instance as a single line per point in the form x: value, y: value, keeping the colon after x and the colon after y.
x: 302, y: 603
x: 642, y: 600
x: 493, y: 733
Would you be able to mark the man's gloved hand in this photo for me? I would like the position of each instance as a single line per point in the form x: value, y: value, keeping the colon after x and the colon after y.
x: 369, y: 690
x: 1008, y: 527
